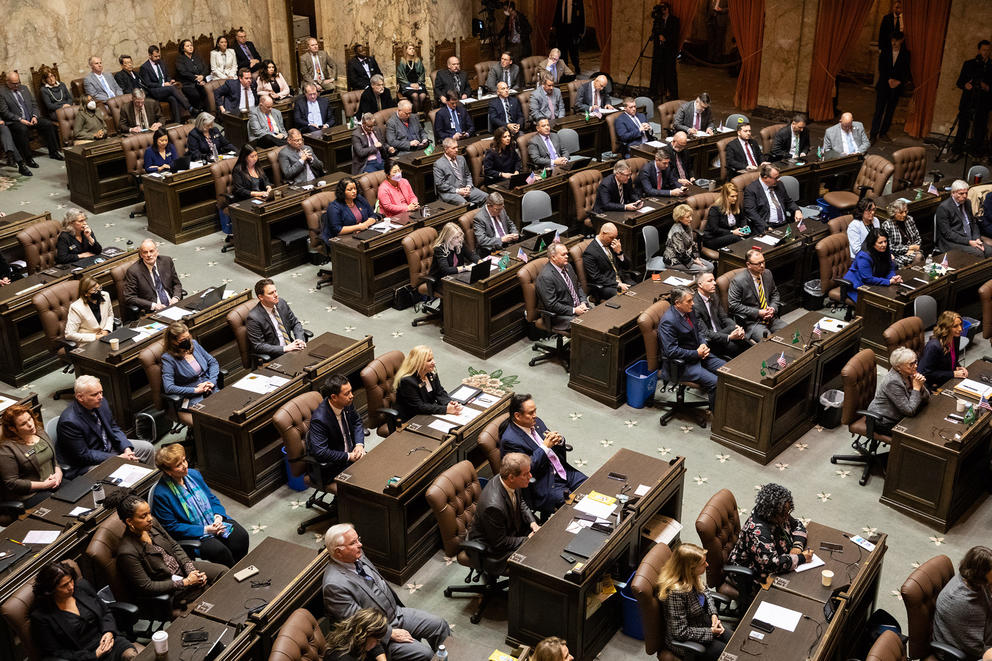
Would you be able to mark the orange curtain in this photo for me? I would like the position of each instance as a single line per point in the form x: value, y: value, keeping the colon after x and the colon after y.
x: 544, y: 11
x: 604, y: 31
x: 926, y: 28
x: 686, y: 11
x: 747, y: 20
x: 837, y: 28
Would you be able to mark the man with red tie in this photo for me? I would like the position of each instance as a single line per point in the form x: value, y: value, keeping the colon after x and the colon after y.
x: 265, y: 126
x: 658, y: 179
x: 681, y: 339
x: 744, y: 153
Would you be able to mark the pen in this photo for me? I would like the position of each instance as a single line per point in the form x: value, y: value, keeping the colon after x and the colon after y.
x: 16, y: 542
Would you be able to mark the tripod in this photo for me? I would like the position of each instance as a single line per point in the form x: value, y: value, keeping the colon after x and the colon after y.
x: 969, y: 157
x: 633, y: 66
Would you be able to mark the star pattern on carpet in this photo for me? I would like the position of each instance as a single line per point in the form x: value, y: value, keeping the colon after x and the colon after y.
x: 781, y: 465
x: 606, y: 443
x: 630, y: 423
x: 664, y: 451
x: 574, y: 416
x: 937, y: 541
x: 823, y: 496
x: 257, y: 528
x: 801, y: 446
x: 842, y: 473
x: 700, y: 480
x: 722, y: 458
x: 297, y: 504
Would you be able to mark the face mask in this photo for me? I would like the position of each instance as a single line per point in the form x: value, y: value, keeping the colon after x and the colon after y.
x: 96, y: 297
x: 397, y: 176
x: 91, y: 105
x: 185, y: 345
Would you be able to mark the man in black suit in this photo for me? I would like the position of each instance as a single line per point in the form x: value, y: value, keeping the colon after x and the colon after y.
x: 791, y: 141
x: 766, y: 203
x: 452, y: 120
x: 744, y: 153
x: 658, y: 179
x: 569, y: 24
x: 507, y: 72
x: 503, y: 521
x: 156, y: 81
x: 361, y: 68
x: 616, y: 192
x: 558, y: 289
x: 605, y: 264
x: 20, y: 114
x: 492, y: 226
x: 975, y: 83
x: 239, y: 95
x: 246, y: 53
x: 956, y: 225
x: 312, y: 110
x: 665, y: 36
x: 719, y: 331
x: 151, y: 283
x: 336, y: 437
x: 892, y: 22
x: 681, y: 159
x: 505, y: 110
x: 893, y: 74
x: 680, y: 338
x: 453, y: 80
x: 272, y: 327
x: 127, y: 79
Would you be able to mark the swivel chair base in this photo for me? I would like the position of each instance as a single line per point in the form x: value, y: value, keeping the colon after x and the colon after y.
x: 330, y: 512
x: 867, y: 454
x: 560, y: 352
x: 487, y: 591
x: 680, y: 405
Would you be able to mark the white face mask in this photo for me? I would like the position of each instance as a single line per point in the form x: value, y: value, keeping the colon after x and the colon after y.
x: 397, y: 176
x: 91, y: 105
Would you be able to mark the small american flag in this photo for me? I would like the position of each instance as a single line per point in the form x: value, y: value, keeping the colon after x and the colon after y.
x: 817, y: 331
x: 531, y: 178
x: 932, y: 189
x: 522, y: 256
x: 781, y: 361
x: 557, y: 238
x: 802, y: 225
x: 983, y: 403
x: 943, y: 262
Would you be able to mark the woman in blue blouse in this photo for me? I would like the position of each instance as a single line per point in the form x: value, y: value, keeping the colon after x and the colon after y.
x: 873, y: 265
x: 187, y: 509
x: 160, y: 156
x: 187, y: 369
x: 348, y: 213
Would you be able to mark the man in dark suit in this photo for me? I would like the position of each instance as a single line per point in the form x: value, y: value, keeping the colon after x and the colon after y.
x: 246, y: 53
x: 336, y: 437
x: 506, y: 72
x: 558, y: 289
x: 88, y: 434
x: 681, y: 159
x: 142, y: 114
x: 235, y: 96
x: 516, y: 31
x: 151, y: 283
x: 452, y: 120
x: 892, y: 22
x: 665, y: 36
x: 127, y: 79
x: 975, y: 83
x: 743, y: 154
x: 569, y: 24
x: 453, y: 80
x: 361, y: 68
x: 503, y: 521
x: 893, y: 74
x: 605, y: 264
x: 505, y: 110
x: 553, y: 477
x: 156, y: 81
x: 721, y: 334
x: 546, y: 101
x: 632, y: 127
x: 753, y: 298
x: 791, y: 141
x: 312, y: 110
x: 351, y: 582
x: 20, y: 114
x: 492, y: 226
x: 544, y: 150
x: 272, y: 327
x: 680, y: 337
x: 658, y: 179
x: 957, y: 228
x: 766, y: 203
x: 403, y: 130
x: 616, y: 192
x: 695, y: 117
x: 369, y: 151
x: 592, y: 97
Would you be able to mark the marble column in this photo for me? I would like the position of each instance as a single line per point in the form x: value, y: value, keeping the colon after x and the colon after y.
x: 787, y: 54
x: 967, y: 24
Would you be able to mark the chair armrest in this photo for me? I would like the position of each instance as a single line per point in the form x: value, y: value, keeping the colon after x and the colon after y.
x: 871, y: 420
x: 171, y: 402
x: 737, y: 570
x: 307, y: 335
x: 845, y: 287
x: 12, y: 507
x: 221, y: 376
x: 476, y: 550
x: 953, y: 652
x: 118, y: 322
x: 688, y: 646
x: 722, y: 599
x: 863, y: 190
x: 392, y: 418
x: 260, y: 358
x: 63, y: 343
x: 190, y: 546
x: 123, y: 607
x: 431, y: 283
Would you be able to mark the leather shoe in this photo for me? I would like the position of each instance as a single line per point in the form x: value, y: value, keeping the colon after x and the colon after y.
x: 955, y: 157
x: 31, y: 163
x: 56, y: 157
x: 24, y: 170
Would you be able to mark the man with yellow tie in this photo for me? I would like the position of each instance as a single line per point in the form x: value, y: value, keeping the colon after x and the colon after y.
x: 753, y: 298
x: 272, y: 327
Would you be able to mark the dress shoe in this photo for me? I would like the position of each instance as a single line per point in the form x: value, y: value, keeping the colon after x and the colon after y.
x: 31, y: 163
x: 56, y: 157
x: 955, y: 157
x: 24, y: 170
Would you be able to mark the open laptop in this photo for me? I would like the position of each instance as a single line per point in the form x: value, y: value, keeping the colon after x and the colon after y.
x: 123, y: 334
x: 207, y: 298
x: 216, y: 649
x: 544, y: 241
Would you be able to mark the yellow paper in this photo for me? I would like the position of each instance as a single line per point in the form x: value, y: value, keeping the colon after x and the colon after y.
x: 501, y: 656
x: 602, y: 498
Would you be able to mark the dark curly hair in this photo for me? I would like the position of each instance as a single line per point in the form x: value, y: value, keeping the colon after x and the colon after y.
x: 772, y: 501
x: 47, y: 580
x: 125, y: 502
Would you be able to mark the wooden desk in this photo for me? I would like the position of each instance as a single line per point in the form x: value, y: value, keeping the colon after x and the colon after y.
x: 181, y: 206
x: 239, y: 641
x: 236, y: 442
x: 931, y: 476
x: 418, y: 168
x: 555, y: 185
x: 543, y: 602
x: 332, y: 146
x: 465, y: 437
x: 833, y: 350
x: 594, y: 134
x: 97, y: 176
x: 841, y: 170
x: 702, y: 149
x: 376, y: 266
x: 478, y: 110
x: 11, y: 225
x: 467, y: 647
x: 56, y: 512
x: 24, y: 349
x: 236, y: 125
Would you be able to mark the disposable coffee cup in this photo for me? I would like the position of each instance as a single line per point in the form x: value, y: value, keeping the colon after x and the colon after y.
x: 962, y: 405
x: 161, y: 641
x: 115, y: 344
x: 826, y: 577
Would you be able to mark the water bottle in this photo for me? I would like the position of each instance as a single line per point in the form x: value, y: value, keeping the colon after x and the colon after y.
x: 98, y: 494
x: 426, y: 211
x: 480, y: 96
x: 441, y: 654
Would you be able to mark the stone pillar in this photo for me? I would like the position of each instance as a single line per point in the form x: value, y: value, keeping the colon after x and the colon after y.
x: 787, y: 55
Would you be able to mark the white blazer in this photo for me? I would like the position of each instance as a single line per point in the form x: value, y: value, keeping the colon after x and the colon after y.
x: 81, y: 325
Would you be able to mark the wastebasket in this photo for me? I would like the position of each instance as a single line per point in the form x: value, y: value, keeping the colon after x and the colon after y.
x: 812, y: 295
x: 831, y: 406
x: 632, y: 625
x: 641, y: 383
x: 296, y: 483
x: 826, y: 211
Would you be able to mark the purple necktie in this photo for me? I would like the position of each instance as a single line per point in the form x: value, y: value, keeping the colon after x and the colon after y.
x: 571, y: 288
x: 552, y: 457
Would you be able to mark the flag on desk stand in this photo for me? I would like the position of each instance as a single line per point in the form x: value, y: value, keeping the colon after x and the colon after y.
x: 932, y: 189
x: 376, y: 209
x: 522, y: 256
x: 943, y: 262
x: 781, y: 361
x: 532, y: 177
x: 429, y: 150
x: 817, y: 331
x: 802, y: 225
x: 983, y: 403
x: 557, y: 238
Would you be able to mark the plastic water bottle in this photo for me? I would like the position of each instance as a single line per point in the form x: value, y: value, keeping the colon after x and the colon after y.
x: 98, y: 494
x: 441, y: 654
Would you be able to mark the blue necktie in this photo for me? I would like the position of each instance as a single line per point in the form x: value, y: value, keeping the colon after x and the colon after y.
x: 454, y: 120
x: 163, y: 296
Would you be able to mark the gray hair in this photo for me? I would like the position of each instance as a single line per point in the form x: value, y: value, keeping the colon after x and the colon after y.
x: 334, y: 537
x: 137, y: 93
x: 71, y: 216
x: 377, y: 80
x: 404, y: 105
x: 367, y: 117
x: 449, y: 142
x: 310, y: 86
x: 678, y: 293
x: 494, y: 200
x: 203, y: 119
x: 621, y: 167
x: 84, y: 382
x: 896, y: 206
x: 555, y: 248
x: 901, y: 356
x: 959, y: 184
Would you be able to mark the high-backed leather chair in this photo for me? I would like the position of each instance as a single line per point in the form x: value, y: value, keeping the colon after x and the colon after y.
x: 211, y: 86
x: 528, y: 69
x: 418, y: 246
x: 524, y: 99
x: 299, y: 639
x: 474, y: 155
x: 919, y: 596
x: 887, y: 647
x: 382, y: 116
x: 38, y: 242
x: 236, y: 319
x: 721, y: 148
x: 575, y: 255
x: 859, y: 376
x: 489, y: 441
x: 573, y: 94
x: 743, y: 180
x: 700, y: 205
x: 834, y: 258
x: 767, y: 135
x: 292, y: 421
x: 116, y: 105
x: 522, y: 141
x: 179, y: 136
x: 313, y: 210
x: 377, y: 377
x: 870, y: 182
x: 583, y: 185
x: 52, y: 305
x: 723, y: 286
x: 482, y: 72
x: 453, y: 497
x: 151, y: 362
x: 465, y: 222
x: 119, y: 274
x: 611, y: 121
x: 985, y: 294
x: 838, y: 224
x: 635, y: 164
x: 275, y: 172
x: 350, y: 101
x: 910, y: 167
x: 368, y: 185
x: 539, y: 321
x: 907, y: 333
x: 718, y: 526
x: 666, y: 116
x: 134, y: 146
x: 65, y: 120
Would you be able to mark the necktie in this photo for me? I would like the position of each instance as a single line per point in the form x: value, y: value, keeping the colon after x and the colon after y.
x: 316, y: 66
x: 609, y: 257
x: 571, y: 287
x: 245, y: 92
x: 345, y: 436
x: 762, y: 301
x: 795, y: 145
x: 163, y: 296
x: 678, y: 164
x: 20, y: 100
x: 659, y: 179
x: 695, y: 121
x: 161, y: 78
x: 551, y: 106
x: 964, y: 217
x: 506, y: 77
x: 361, y: 571
x: 552, y: 457
x: 779, y: 214
x: 898, y: 23
x: 455, y: 124
x: 244, y: 49
x: 283, y: 333
x: 103, y: 430
x: 498, y: 225
x: 620, y: 190
x: 848, y: 142
x: 552, y: 154
x: 709, y: 311
x: 750, y: 156
x: 506, y: 110
x: 595, y: 98
x: 103, y: 81
x: 142, y: 117
x: 688, y: 320
x: 268, y: 118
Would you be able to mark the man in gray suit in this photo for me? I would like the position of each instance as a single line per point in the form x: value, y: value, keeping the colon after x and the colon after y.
x: 545, y: 101
x: 265, y: 127
x: 271, y: 326
x: 297, y: 163
x: 753, y: 298
x: 544, y: 150
x: 101, y: 86
x: 403, y: 130
x: 351, y: 583
x: 847, y: 137
x: 453, y: 179
x: 558, y: 289
x: 492, y: 226
x: 956, y: 227
x: 694, y: 117
x: 507, y: 72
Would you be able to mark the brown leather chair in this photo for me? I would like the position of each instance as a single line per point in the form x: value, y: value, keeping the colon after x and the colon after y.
x: 575, y: 255
x: 115, y: 106
x: 700, y: 205
x: 870, y: 182
x: 522, y: 141
x: 858, y: 376
x: 368, y: 185
x: 910, y: 167
x: 299, y: 639
x: 834, y: 258
x: 743, y: 180
x: 482, y: 72
x: 65, y: 120
x: 118, y: 275
x: 723, y: 286
x: 721, y: 148
x: 313, y: 210
x: 211, y: 87
x: 524, y: 99
x: 838, y: 224
x: 611, y: 121
x: 528, y: 69
x: 273, y: 169
x: 292, y: 421
x: 382, y: 116
x: 418, y: 246
x: 667, y: 370
x: 985, y: 294
x: 719, y: 526
x: 919, y: 596
x: 377, y: 377
x: 38, y: 242
x: 887, y: 647
x: 179, y: 136
x: 52, y: 305
x: 768, y: 134
x: 134, y: 146
x: 907, y: 333
x: 573, y: 94
x: 539, y: 321
x: 666, y: 115
x: 583, y: 185
x: 236, y: 319
x: 76, y: 87
x: 489, y: 441
x: 453, y: 497
x: 465, y: 222
x: 350, y: 101
x: 636, y: 164
x: 474, y: 154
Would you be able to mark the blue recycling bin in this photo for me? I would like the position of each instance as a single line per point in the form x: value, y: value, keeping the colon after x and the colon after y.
x: 296, y: 483
x: 632, y: 625
x: 641, y: 384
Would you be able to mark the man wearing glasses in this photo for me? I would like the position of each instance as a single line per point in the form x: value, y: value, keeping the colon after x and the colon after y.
x: 753, y: 299
x: 766, y: 202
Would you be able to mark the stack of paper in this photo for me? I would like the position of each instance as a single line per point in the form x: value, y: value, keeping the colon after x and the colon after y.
x: 675, y: 281
x: 6, y: 402
x: 129, y: 474
x: 175, y: 313
x: 466, y: 416
x: 598, y: 505
x: 973, y: 389
x: 485, y: 400
x: 260, y: 383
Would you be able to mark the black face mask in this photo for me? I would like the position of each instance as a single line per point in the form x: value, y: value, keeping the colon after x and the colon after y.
x: 185, y: 345
x: 96, y: 297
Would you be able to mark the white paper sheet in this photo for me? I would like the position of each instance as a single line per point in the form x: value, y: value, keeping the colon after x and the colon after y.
x: 577, y: 525
x: 31, y: 288
x: 782, y: 618
x: 641, y: 490
x: 676, y: 281
x: 129, y: 475
x: 442, y: 426
x: 655, y: 143
x: 645, y: 209
x: 767, y: 239
x: 485, y: 399
x: 41, y: 537
x: 817, y: 561
x: 462, y: 392
x: 76, y: 511
x: 6, y: 402
x: 466, y: 416
x: 259, y: 383
x: 175, y: 313
x: 594, y: 508
x: 831, y: 324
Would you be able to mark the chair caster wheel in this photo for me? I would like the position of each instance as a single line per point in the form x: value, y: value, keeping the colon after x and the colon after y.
x: 832, y: 459
x: 863, y: 481
x: 663, y: 421
x: 300, y: 529
x: 447, y: 591
x: 131, y: 215
x: 475, y: 619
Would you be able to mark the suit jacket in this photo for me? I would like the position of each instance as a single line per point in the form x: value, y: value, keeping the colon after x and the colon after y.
x: 895, y: 399
x: 178, y: 377
x: 717, y: 233
x: 188, y: 68
x: 497, y: 116
x: 54, y: 632
x: 486, y: 239
x: 686, y: 619
x: 345, y: 593
x: 559, y: 71
x: 742, y: 297
x: 228, y: 96
x: 758, y: 211
x: 153, y: 114
x: 143, y: 568
x: 171, y: 512
x: 413, y: 398
x: 681, y: 157
x: 538, y: 154
x: 294, y: 171
x: 198, y: 149
x: 600, y: 271
x: 833, y: 139
x: 583, y: 100
x: 540, y: 492
x: 19, y: 466
x: 367, y: 102
x: 502, y: 525
x: 737, y: 159
x: 887, y: 69
x: 93, y: 87
x: 338, y: 215
x: 678, y: 339
x: 445, y: 178
x: 724, y: 324
x: 862, y: 273
x: 10, y: 108
x: 309, y: 74
x: 457, y: 82
x: 608, y: 194
x: 443, y: 124
x: 648, y: 180
x: 243, y: 60
x: 139, y: 286
x: 783, y: 141
x: 497, y: 74
x: 325, y: 443
x: 951, y: 232
x: 262, y: 335
x: 361, y: 149
x: 553, y: 294
x: 82, y: 326
x: 887, y: 27
x: 935, y: 363
x: 539, y: 105
x: 628, y: 130
x: 128, y: 81
x: 149, y: 76
x: 258, y: 126
x: 301, y: 110
x: 400, y: 134
x: 444, y: 263
x: 358, y: 79
x: 685, y: 115
x: 578, y: 18
x: 80, y: 442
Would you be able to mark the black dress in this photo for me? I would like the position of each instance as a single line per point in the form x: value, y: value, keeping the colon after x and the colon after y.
x: 64, y: 635
x: 68, y: 249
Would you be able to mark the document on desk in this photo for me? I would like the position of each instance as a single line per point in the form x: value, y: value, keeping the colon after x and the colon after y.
x: 596, y: 508
x: 777, y: 616
x: 675, y: 281
x: 466, y: 416
x: 175, y: 313
x: 817, y: 561
x: 385, y: 225
x: 6, y: 402
x: 654, y: 143
x: 260, y: 383
x: 147, y: 330
x: 973, y: 388
x: 442, y: 426
x: 767, y: 239
x: 41, y: 537
x: 485, y: 400
x: 645, y: 209
x: 129, y: 475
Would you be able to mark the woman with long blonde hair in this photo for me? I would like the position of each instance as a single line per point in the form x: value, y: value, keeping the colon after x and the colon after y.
x: 690, y: 614
x: 725, y: 224
x: 418, y: 388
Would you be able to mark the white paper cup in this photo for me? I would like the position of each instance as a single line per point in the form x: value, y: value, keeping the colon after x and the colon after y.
x: 115, y: 344
x: 161, y: 641
x: 826, y: 577
x: 962, y: 405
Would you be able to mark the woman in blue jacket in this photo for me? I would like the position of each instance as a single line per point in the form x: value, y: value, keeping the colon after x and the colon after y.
x: 161, y: 155
x: 187, y: 369
x: 349, y: 212
x: 873, y: 265
x: 183, y: 503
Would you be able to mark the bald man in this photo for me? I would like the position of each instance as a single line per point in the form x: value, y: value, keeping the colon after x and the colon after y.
x: 593, y: 97
x: 151, y: 283
x: 605, y: 264
x: 846, y: 137
x: 452, y: 79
